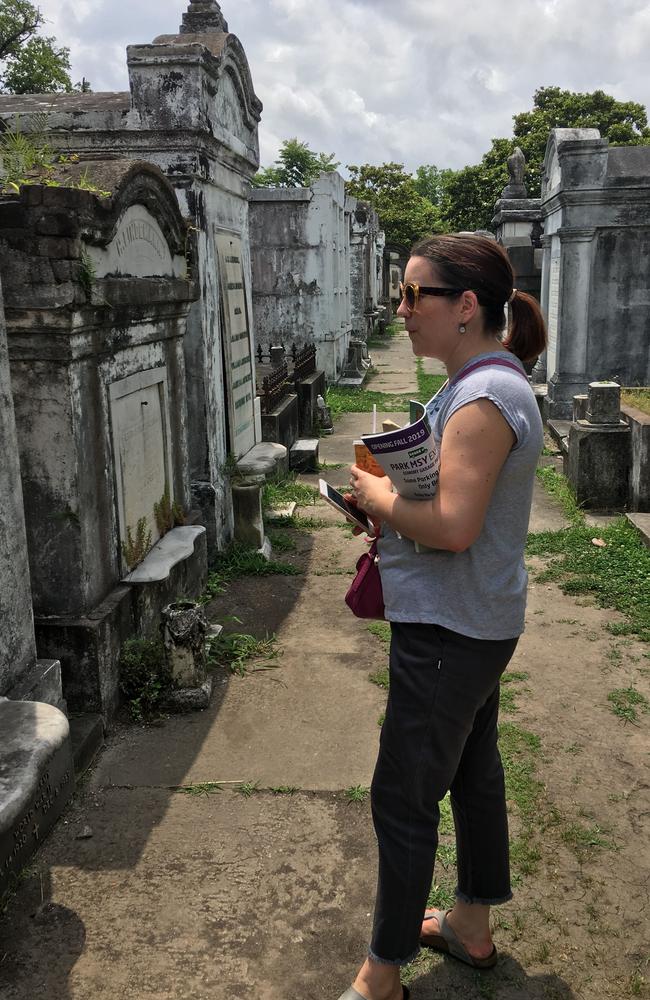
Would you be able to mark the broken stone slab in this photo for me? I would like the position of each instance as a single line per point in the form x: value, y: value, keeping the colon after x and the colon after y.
x: 281, y: 513
x: 36, y: 780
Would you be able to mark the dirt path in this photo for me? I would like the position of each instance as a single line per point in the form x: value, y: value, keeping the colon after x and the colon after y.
x: 263, y: 890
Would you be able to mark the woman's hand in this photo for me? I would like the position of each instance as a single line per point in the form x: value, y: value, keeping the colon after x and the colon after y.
x: 369, y: 492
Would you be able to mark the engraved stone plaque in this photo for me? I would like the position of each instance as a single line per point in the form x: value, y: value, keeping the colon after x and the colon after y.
x: 553, y: 305
x: 138, y: 248
x: 237, y: 344
x: 141, y: 441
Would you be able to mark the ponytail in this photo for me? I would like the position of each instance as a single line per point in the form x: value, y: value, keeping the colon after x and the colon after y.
x: 526, y: 335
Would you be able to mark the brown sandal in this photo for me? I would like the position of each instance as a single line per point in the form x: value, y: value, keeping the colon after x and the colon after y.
x: 448, y: 942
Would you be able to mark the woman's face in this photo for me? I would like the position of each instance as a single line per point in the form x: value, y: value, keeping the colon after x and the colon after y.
x: 433, y: 326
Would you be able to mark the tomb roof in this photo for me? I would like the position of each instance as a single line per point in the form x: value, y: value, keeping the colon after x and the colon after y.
x: 11, y: 104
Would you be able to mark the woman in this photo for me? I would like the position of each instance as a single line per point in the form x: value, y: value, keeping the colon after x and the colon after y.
x: 456, y: 605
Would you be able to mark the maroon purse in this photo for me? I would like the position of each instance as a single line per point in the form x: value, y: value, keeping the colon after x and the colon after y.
x: 365, y: 597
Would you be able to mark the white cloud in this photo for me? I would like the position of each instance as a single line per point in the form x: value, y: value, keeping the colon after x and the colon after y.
x: 425, y: 82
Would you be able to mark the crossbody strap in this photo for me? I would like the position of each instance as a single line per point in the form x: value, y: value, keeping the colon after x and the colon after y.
x: 485, y: 363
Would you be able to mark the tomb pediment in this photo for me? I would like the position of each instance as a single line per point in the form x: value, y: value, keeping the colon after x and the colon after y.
x: 552, y: 170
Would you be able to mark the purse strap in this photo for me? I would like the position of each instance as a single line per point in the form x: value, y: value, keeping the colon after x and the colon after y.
x: 485, y: 363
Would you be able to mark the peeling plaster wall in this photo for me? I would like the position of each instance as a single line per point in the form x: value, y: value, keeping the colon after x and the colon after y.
x: 300, y: 239
x: 17, y: 646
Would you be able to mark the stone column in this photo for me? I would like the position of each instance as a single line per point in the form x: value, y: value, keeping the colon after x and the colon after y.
x: 17, y: 645
x: 539, y: 373
x: 569, y: 376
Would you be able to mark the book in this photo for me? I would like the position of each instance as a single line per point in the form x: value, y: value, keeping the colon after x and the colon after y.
x: 408, y: 455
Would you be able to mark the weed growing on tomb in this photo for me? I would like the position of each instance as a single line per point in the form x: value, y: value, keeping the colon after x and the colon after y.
x: 27, y: 158
x: 639, y: 398
x: 135, y: 549
x: 428, y: 385
x: 243, y: 654
x: 145, y: 678
x: 167, y: 514
x: 87, y: 273
x: 627, y: 702
x: 616, y: 575
x: 237, y: 561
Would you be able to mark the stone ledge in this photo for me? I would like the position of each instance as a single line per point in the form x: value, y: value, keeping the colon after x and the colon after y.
x: 641, y: 522
x: 36, y: 780
x: 265, y: 459
x: 172, y: 548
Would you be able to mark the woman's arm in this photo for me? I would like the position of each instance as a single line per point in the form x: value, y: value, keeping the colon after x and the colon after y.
x: 475, y: 443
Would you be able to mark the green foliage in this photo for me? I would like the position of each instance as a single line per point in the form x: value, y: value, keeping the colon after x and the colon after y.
x: 167, y: 514
x: 241, y: 653
x: 29, y: 62
x: 344, y: 400
x: 296, y: 166
x: 27, y: 158
x: 237, y: 561
x: 87, y: 273
x: 404, y: 213
x: 145, y: 678
x: 428, y: 385
x: 282, y: 491
x: 135, y: 549
x: 639, y: 398
x: 381, y: 630
x: 625, y: 702
x: 469, y: 195
x: 358, y: 793
x: 381, y: 678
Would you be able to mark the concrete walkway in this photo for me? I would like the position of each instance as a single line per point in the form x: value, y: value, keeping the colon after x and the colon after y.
x: 185, y: 891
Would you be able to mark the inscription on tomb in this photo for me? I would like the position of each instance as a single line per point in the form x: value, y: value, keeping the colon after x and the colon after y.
x: 138, y: 248
x: 553, y: 305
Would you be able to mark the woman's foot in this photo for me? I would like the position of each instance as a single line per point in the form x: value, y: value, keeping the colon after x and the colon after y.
x: 377, y: 981
x: 470, y: 925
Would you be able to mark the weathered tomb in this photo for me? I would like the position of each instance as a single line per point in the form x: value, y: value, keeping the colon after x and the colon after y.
x: 97, y: 297
x: 22, y: 675
x: 193, y: 112
x: 300, y: 239
x: 517, y: 224
x: 596, y: 268
x: 367, y: 242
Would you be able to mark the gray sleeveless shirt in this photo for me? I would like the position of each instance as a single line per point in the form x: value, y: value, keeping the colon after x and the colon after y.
x: 481, y: 592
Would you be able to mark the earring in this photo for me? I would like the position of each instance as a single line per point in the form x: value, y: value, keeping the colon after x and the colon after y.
x: 462, y: 328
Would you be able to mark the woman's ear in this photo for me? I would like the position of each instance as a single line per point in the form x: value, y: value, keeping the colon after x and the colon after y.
x: 468, y: 305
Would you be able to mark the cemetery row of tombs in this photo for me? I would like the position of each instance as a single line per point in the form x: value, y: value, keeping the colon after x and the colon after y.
x: 146, y: 287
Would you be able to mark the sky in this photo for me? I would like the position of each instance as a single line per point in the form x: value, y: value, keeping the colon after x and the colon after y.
x: 417, y: 82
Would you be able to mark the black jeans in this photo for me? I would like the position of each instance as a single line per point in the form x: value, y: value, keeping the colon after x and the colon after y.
x: 439, y: 735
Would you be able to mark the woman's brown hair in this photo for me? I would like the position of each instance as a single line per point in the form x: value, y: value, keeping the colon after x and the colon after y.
x: 477, y: 263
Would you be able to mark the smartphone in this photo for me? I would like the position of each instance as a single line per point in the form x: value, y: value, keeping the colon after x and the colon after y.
x: 338, y: 501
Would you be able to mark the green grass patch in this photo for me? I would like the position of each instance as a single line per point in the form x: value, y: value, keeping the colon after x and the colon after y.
x: 284, y: 789
x: 381, y: 678
x: 626, y: 703
x: 584, y: 840
x: 299, y: 523
x: 248, y: 788
x: 243, y: 654
x: 381, y: 630
x: 508, y: 693
x: 617, y: 575
x: 345, y: 400
x: 201, y: 789
x: 237, y: 561
x: 145, y: 677
x: 640, y: 398
x: 358, y: 793
x: 280, y: 492
x: 281, y: 540
x: 428, y: 385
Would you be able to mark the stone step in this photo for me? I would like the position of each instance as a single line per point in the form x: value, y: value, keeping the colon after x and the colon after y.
x: 36, y: 780
x: 559, y: 431
x: 303, y: 456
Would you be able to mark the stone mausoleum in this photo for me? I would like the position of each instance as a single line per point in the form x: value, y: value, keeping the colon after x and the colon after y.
x: 596, y: 267
x: 97, y: 293
x: 192, y: 111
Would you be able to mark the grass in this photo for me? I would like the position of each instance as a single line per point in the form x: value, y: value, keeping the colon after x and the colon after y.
x: 626, y: 703
x: 241, y: 653
x: 281, y: 540
x: 358, y: 793
x: 617, y: 576
x: 381, y: 678
x: 428, y: 385
x: 201, y: 788
x: 280, y: 492
x: 299, y: 523
x: 248, y: 788
x: 237, y: 561
x: 640, y: 398
x: 507, y: 696
x: 284, y: 789
x: 381, y: 630
x: 343, y: 400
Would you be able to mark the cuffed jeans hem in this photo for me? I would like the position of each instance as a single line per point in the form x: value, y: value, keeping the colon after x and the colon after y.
x: 390, y: 961
x: 483, y: 902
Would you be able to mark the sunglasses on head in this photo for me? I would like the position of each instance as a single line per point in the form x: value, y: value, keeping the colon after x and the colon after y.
x: 411, y: 292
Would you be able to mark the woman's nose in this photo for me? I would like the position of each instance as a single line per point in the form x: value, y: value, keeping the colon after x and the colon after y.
x: 403, y: 309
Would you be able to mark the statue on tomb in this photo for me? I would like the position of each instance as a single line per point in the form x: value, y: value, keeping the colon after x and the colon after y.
x: 516, y: 167
x: 203, y: 16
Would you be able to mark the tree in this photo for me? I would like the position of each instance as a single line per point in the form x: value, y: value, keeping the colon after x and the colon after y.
x: 469, y: 194
x: 296, y: 166
x: 29, y: 63
x: 405, y: 215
